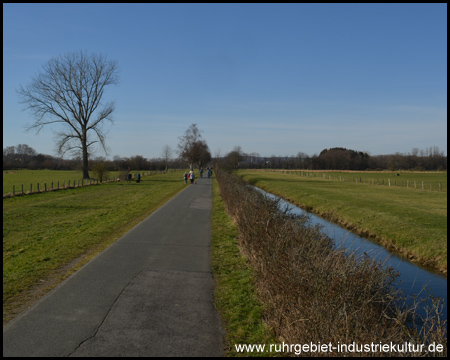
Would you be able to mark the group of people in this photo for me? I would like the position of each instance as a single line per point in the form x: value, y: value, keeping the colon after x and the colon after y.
x: 209, y: 170
x: 191, y: 175
x: 129, y: 176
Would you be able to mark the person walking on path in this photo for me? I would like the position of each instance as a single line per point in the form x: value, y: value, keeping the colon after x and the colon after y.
x: 185, y: 176
x: 192, y: 176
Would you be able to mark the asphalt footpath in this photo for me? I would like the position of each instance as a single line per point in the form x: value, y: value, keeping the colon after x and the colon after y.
x: 148, y: 294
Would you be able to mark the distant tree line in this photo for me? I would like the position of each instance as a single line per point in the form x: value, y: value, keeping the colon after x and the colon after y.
x: 25, y: 157
x: 339, y: 159
x: 192, y: 151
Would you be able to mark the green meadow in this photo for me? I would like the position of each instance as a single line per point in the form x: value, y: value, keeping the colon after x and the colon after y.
x: 411, y: 222
x: 436, y: 181
x: 46, y: 236
x: 17, y: 178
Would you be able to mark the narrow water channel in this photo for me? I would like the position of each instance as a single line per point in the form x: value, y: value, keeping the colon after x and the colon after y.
x: 413, y: 278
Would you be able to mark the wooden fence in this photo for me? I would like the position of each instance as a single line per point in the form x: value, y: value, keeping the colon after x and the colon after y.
x: 57, y: 185
x: 394, y: 181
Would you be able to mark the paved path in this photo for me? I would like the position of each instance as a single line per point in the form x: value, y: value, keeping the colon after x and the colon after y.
x: 148, y: 294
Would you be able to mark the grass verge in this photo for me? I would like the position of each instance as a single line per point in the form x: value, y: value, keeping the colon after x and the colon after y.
x: 48, y: 236
x: 235, y: 293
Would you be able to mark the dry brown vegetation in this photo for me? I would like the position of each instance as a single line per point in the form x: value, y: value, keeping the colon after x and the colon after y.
x: 313, y: 293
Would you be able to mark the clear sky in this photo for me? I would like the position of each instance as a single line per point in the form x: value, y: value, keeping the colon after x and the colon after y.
x: 275, y: 79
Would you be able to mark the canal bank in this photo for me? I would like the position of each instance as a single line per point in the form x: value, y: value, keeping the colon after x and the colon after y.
x: 310, y: 290
x: 415, y: 279
x: 409, y: 222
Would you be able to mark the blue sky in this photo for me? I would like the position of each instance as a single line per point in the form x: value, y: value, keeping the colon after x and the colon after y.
x: 275, y: 79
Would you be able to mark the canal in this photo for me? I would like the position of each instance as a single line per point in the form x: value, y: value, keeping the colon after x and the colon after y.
x: 413, y: 278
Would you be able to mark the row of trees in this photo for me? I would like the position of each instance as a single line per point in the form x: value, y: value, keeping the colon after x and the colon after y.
x: 24, y: 157
x: 198, y: 155
x: 192, y: 151
x: 339, y: 159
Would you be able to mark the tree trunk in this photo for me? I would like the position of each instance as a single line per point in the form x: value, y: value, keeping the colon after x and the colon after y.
x: 85, y: 156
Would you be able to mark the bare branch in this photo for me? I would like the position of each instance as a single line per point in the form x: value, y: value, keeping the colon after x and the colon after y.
x: 69, y: 91
x: 192, y: 148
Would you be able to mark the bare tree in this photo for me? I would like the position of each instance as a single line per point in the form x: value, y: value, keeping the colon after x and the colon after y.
x: 166, y: 154
x: 192, y: 148
x: 69, y: 91
x: 234, y: 157
x: 204, y: 155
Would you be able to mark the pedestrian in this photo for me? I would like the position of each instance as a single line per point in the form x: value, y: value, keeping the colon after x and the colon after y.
x: 201, y: 172
x: 138, y: 178
x: 191, y: 176
x: 185, y: 176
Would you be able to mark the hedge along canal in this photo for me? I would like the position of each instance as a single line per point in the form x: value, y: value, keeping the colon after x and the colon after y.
x: 413, y: 278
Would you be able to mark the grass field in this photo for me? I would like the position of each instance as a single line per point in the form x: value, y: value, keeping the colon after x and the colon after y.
x: 18, y: 178
x: 46, y: 234
x: 410, y: 222
x: 436, y: 181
